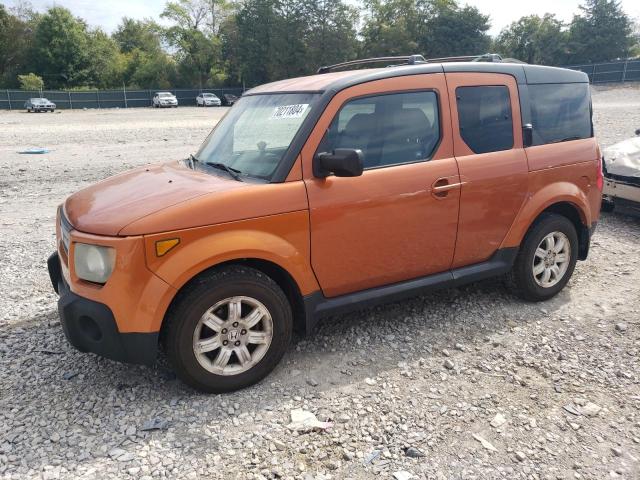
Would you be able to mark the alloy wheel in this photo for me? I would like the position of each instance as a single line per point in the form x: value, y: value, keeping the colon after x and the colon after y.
x: 233, y: 335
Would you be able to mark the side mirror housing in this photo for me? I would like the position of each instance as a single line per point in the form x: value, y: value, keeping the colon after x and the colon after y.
x: 342, y: 162
x: 527, y: 135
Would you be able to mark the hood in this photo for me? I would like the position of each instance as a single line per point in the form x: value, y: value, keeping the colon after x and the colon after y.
x: 108, y: 206
x: 623, y: 159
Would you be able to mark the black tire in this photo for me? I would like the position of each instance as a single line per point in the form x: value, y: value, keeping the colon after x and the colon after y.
x: 203, y: 293
x: 608, y: 205
x: 521, y: 279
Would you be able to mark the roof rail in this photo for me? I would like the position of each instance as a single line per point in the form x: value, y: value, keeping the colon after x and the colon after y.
x: 407, y: 60
x: 485, y: 57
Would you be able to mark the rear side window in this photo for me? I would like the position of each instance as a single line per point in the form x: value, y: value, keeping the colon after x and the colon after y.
x: 560, y: 112
x: 484, y: 115
x: 390, y: 129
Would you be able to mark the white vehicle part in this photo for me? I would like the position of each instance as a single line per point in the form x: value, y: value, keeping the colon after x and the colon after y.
x: 626, y: 191
x: 623, y: 159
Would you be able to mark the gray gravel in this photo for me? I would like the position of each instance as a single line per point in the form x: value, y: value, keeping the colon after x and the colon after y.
x: 465, y: 383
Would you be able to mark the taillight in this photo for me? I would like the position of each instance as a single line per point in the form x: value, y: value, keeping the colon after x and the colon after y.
x: 600, y: 179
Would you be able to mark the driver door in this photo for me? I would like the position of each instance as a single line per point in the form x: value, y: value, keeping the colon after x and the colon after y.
x: 397, y: 221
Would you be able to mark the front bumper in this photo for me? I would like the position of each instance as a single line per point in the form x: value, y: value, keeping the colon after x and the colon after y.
x: 91, y: 327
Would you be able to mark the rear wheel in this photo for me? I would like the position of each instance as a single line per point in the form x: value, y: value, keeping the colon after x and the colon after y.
x: 546, y: 259
x: 228, y: 330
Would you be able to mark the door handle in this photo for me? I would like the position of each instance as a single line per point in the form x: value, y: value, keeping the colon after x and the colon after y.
x: 441, y: 187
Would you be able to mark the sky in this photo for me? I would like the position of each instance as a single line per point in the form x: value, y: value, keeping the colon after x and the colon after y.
x: 107, y: 13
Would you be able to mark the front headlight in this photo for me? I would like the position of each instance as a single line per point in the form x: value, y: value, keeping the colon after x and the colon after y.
x: 94, y: 263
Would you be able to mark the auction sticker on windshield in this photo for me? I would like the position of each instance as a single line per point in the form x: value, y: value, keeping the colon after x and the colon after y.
x: 289, y: 111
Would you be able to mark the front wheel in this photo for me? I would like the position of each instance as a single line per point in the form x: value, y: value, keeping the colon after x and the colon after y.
x: 228, y: 330
x: 546, y: 259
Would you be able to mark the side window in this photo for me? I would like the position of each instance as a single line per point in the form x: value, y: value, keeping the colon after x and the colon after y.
x: 560, y: 112
x: 389, y: 129
x: 484, y: 114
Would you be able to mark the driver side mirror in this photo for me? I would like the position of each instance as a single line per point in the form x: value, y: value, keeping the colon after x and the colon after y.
x: 342, y: 162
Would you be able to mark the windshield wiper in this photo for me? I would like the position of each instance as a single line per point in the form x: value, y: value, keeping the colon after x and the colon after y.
x: 233, y: 172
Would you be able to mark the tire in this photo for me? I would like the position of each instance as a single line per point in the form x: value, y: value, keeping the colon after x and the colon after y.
x: 608, y: 205
x: 184, y: 327
x: 526, y: 282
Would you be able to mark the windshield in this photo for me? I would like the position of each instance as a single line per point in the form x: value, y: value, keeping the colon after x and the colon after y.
x: 165, y: 94
x: 208, y: 95
x: 256, y: 133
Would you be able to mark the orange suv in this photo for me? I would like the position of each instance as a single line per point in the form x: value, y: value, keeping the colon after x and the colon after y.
x: 323, y: 194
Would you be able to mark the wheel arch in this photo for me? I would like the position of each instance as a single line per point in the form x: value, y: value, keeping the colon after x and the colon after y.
x: 570, y: 202
x: 273, y: 270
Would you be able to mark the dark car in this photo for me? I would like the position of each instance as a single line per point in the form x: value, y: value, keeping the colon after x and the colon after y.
x: 39, y: 105
x: 229, y: 99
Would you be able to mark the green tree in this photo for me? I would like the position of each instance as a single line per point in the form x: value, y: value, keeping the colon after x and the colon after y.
x: 256, y: 22
x: 15, y: 39
x: 534, y: 39
x: 449, y: 30
x: 197, y: 49
x: 107, y: 64
x: 602, y: 32
x: 60, y: 50
x: 390, y: 28
x: 332, y: 36
x: 31, y: 81
x: 141, y: 34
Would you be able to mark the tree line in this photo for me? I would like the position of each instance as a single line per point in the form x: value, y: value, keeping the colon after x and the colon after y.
x: 209, y: 43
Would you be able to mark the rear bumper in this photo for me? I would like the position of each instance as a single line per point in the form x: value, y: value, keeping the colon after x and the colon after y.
x: 91, y: 327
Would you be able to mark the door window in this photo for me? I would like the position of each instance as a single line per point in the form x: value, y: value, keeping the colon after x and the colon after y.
x: 484, y: 116
x: 389, y: 129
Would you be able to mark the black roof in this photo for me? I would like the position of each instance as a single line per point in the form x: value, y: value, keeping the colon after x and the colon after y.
x: 523, y: 73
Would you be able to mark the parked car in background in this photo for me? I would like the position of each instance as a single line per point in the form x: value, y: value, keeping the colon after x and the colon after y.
x: 208, y: 100
x: 622, y: 174
x: 39, y: 105
x: 228, y: 99
x: 164, y: 99
x: 320, y: 195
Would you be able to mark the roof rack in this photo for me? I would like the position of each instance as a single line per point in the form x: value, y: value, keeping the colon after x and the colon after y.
x: 485, y: 57
x: 413, y: 60
x: 407, y: 60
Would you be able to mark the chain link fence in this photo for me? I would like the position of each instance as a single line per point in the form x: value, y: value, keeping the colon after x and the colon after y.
x: 611, y: 72
x: 68, y: 99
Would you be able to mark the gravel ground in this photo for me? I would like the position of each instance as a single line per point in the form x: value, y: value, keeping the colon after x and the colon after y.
x: 465, y: 383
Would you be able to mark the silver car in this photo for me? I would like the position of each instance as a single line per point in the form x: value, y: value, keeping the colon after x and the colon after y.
x: 208, y: 100
x: 39, y: 105
x: 164, y: 99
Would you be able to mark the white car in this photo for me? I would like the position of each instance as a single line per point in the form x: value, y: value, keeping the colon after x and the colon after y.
x: 208, y: 100
x: 164, y: 99
x: 622, y: 174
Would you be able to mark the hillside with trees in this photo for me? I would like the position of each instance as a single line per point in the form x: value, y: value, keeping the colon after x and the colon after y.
x: 208, y: 43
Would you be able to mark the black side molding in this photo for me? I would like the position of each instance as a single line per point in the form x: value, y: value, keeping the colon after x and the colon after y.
x: 318, y: 306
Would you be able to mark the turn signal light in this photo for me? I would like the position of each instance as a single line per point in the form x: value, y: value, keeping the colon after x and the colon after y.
x: 164, y: 246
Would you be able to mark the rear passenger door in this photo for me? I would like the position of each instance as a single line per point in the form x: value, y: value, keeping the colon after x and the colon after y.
x: 487, y: 143
x: 398, y: 220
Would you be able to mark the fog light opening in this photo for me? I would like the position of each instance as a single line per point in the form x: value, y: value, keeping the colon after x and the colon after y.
x: 90, y: 328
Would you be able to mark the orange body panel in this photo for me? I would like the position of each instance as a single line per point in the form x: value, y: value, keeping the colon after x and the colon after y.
x: 384, y: 226
x: 280, y: 239
x: 574, y: 184
x: 494, y: 184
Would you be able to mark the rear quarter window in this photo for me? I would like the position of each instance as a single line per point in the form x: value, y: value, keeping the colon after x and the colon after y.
x: 560, y: 112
